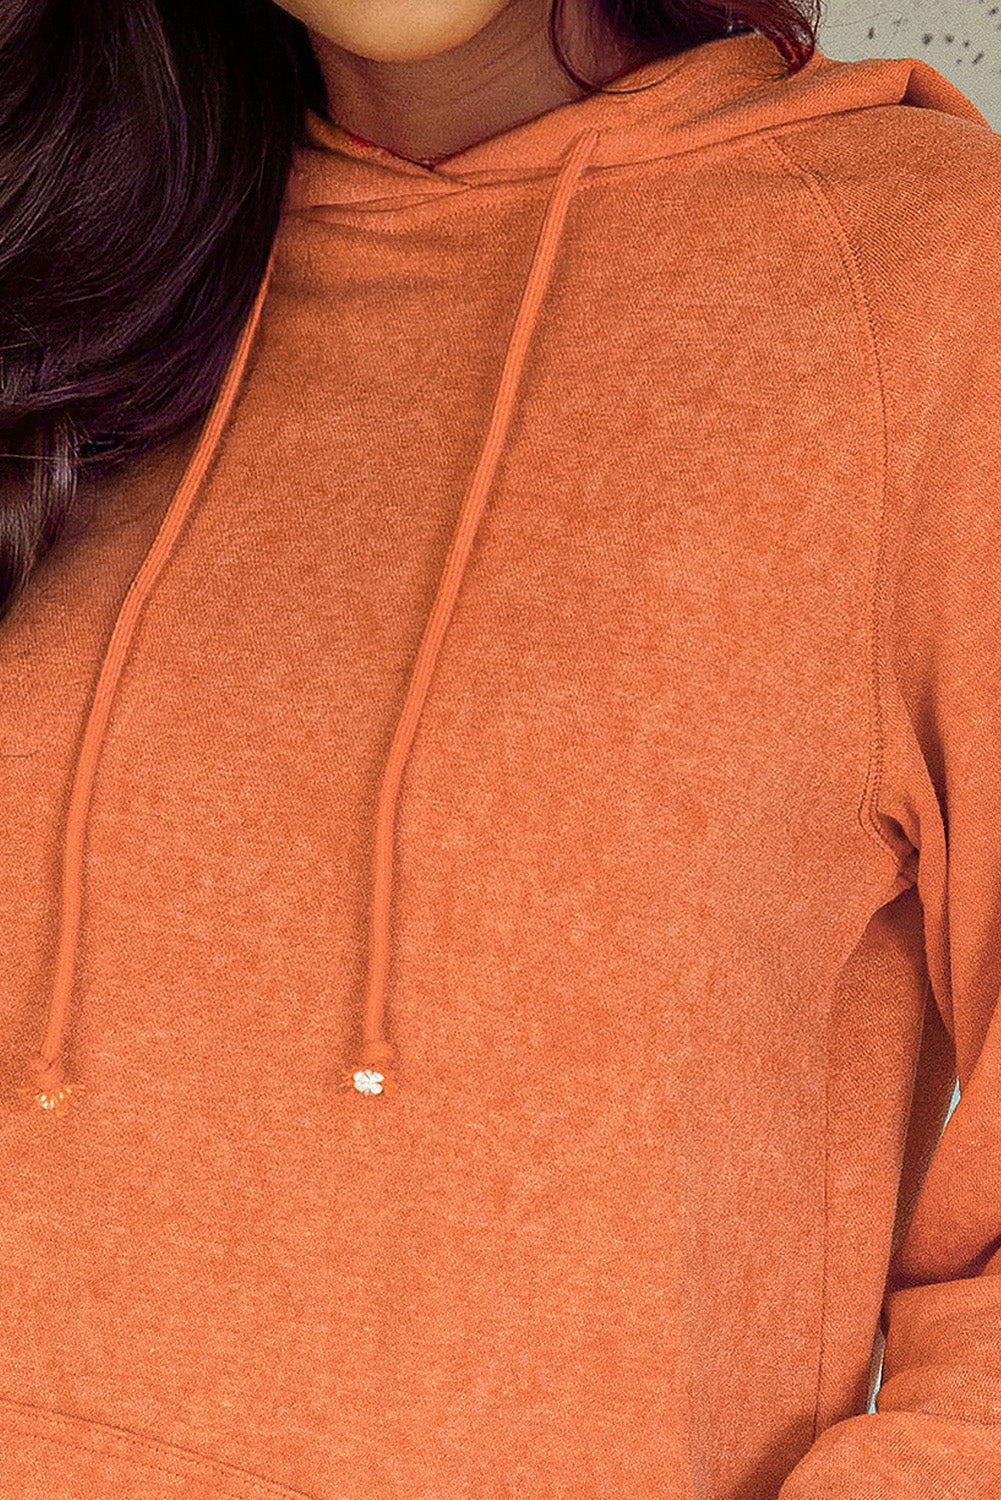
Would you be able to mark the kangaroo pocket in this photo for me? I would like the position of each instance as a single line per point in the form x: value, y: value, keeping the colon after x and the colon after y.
x: 45, y: 1455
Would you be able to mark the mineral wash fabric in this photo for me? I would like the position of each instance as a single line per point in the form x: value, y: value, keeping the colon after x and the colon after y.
x: 501, y: 837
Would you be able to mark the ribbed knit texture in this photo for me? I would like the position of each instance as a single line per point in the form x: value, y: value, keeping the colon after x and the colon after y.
x: 669, y: 419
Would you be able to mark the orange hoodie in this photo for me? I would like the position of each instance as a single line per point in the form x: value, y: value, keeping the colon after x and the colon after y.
x: 500, y: 834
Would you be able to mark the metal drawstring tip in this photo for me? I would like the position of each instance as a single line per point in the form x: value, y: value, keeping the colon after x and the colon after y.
x: 57, y: 1101
x: 369, y: 1081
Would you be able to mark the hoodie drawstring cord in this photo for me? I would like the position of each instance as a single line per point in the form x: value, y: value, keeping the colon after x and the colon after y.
x: 373, y: 1073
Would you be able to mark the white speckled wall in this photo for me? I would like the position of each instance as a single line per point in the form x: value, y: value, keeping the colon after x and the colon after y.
x: 962, y: 39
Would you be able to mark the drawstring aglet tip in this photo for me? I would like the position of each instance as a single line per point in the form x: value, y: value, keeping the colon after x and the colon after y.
x: 48, y: 1088
x: 57, y: 1101
x: 369, y: 1081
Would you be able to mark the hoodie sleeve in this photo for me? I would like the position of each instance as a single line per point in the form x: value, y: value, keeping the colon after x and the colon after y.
x: 936, y: 1430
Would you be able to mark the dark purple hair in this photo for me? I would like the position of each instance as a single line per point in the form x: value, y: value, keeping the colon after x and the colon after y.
x: 145, y: 149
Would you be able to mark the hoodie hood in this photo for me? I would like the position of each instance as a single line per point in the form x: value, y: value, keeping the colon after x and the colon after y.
x: 733, y: 87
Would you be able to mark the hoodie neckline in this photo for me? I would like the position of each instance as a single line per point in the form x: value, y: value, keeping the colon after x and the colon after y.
x: 709, y: 95
x: 340, y: 169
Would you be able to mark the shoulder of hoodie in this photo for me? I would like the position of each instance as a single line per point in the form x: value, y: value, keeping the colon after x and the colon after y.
x: 915, y: 193
x: 912, y: 202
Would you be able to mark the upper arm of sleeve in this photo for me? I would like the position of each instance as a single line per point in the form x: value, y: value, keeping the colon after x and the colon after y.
x: 936, y: 1430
